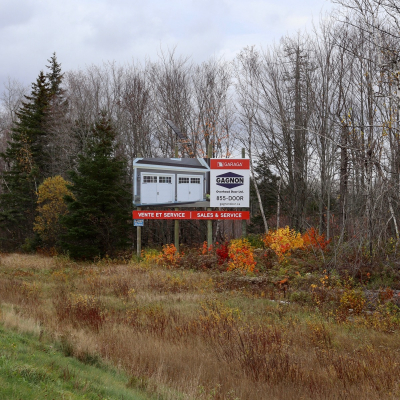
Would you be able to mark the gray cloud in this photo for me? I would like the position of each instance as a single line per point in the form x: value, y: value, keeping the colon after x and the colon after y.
x: 85, y: 32
x: 14, y: 13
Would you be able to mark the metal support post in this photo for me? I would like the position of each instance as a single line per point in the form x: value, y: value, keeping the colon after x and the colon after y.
x: 209, y: 230
x: 176, y: 225
x: 244, y: 222
x: 209, y: 222
x: 139, y: 239
x: 176, y: 233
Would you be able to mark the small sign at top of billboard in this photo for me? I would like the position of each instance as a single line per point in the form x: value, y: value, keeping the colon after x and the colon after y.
x: 229, y: 182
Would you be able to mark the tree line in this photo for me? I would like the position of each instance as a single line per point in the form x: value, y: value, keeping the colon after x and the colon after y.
x: 318, y: 114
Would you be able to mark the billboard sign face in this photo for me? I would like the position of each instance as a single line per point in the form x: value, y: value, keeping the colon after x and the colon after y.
x: 178, y: 182
x: 229, y: 182
x: 159, y: 214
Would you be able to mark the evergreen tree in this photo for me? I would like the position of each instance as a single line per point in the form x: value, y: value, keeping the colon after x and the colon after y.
x: 57, y: 120
x: 27, y: 159
x: 55, y: 77
x: 97, y: 220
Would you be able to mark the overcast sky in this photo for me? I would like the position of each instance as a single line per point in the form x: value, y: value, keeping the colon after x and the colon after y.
x: 84, y: 32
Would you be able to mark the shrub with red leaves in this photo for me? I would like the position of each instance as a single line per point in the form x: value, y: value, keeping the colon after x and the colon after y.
x: 222, y: 252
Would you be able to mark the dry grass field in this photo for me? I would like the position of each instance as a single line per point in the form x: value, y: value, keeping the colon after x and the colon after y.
x: 186, y: 334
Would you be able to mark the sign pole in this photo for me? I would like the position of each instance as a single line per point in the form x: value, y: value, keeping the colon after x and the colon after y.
x: 209, y: 222
x: 139, y: 239
x: 139, y: 234
x: 176, y: 224
x: 176, y: 233
x: 209, y: 230
x: 244, y: 222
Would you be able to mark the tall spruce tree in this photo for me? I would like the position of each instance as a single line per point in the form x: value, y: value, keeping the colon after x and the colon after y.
x: 57, y: 120
x: 27, y: 159
x: 55, y: 77
x: 25, y: 163
x: 97, y: 220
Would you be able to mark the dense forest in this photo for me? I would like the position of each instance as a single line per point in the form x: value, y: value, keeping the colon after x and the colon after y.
x: 318, y: 115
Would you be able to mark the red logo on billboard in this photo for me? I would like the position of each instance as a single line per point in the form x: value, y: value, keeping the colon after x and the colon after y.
x: 228, y: 163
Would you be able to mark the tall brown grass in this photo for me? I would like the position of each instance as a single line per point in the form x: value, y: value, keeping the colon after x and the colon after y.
x: 196, y: 335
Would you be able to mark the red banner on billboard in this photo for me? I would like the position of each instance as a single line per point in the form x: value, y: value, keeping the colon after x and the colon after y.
x: 235, y: 215
x: 230, y: 163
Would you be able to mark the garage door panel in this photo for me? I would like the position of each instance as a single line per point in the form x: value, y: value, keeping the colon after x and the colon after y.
x: 196, y: 189
x: 157, y: 189
x: 148, y: 191
x: 189, y: 188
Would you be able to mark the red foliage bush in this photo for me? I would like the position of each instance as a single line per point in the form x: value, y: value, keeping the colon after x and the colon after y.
x: 222, y: 252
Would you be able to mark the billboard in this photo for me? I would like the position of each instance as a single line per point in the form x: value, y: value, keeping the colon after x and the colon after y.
x: 229, y: 182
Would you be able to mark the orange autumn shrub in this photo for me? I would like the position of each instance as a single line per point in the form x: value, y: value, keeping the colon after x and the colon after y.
x: 312, y: 239
x: 282, y: 241
x: 241, y: 257
x: 169, y: 257
x: 205, y: 249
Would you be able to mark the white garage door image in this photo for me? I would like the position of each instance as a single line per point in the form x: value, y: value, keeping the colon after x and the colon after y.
x: 190, y: 188
x: 157, y: 188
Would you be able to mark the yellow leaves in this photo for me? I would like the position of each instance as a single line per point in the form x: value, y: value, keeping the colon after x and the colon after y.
x: 241, y: 256
x: 214, y: 313
x: 352, y: 299
x: 283, y: 241
x: 51, y: 206
x: 150, y: 256
x: 52, y: 189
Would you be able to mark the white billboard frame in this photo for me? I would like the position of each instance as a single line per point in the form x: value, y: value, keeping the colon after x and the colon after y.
x: 230, y: 183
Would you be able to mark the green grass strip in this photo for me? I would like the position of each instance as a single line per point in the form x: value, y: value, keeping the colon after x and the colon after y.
x: 32, y: 369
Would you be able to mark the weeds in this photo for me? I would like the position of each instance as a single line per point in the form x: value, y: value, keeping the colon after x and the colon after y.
x: 215, y: 334
x: 352, y: 299
x: 80, y: 310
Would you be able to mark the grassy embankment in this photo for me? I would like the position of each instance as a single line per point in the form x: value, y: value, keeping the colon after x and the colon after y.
x: 32, y: 367
x: 187, y: 334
